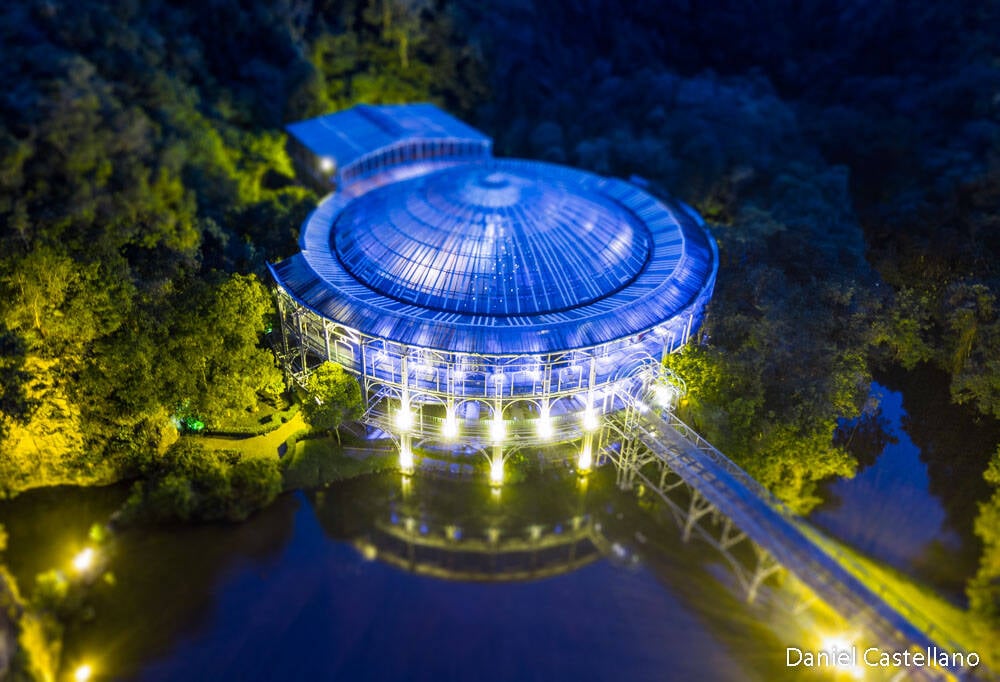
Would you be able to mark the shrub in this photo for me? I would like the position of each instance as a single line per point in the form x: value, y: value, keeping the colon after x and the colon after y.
x: 191, y: 482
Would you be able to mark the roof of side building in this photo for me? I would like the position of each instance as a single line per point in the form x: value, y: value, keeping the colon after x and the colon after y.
x: 360, y: 131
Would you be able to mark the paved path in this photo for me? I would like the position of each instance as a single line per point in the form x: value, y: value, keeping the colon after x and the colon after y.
x: 265, y: 445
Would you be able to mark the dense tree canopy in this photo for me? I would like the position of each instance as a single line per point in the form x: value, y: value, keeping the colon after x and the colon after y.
x: 846, y: 155
x: 145, y: 183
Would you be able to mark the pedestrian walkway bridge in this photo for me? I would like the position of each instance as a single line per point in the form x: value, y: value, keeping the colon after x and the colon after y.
x: 663, y: 447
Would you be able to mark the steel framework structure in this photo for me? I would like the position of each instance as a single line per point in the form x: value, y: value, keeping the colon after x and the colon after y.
x: 484, y: 304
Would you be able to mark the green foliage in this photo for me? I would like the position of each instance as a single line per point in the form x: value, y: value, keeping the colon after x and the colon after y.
x: 192, y: 483
x: 14, y: 402
x: 391, y: 54
x: 144, y: 184
x: 51, y: 593
x: 334, y: 397
x: 984, y: 589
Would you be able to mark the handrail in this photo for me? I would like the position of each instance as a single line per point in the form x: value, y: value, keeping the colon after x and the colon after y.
x: 785, y: 534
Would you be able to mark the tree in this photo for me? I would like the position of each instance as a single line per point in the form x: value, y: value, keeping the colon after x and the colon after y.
x: 208, y: 356
x: 984, y: 588
x: 334, y: 398
x: 14, y: 402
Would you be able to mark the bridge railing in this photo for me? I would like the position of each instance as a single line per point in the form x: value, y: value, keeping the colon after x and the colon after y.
x: 728, y: 465
x: 818, y: 565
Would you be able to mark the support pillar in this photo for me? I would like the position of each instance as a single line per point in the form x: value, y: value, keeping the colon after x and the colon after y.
x: 766, y: 567
x: 326, y: 339
x: 697, y: 509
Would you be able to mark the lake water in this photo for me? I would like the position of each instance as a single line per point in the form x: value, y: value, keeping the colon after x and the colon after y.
x: 560, y: 578
x: 914, y: 499
x: 376, y: 580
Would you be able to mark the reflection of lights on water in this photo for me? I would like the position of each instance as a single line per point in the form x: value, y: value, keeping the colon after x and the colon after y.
x: 84, y: 560
x: 585, y: 460
x: 406, y: 458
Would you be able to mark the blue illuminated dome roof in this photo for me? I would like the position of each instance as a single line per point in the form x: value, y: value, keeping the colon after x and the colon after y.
x: 430, y: 241
x: 496, y: 238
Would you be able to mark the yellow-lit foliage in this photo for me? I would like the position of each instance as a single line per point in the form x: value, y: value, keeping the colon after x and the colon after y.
x: 36, y: 650
x: 43, y: 450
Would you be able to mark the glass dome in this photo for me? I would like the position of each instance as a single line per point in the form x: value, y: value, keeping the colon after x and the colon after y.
x: 502, y: 238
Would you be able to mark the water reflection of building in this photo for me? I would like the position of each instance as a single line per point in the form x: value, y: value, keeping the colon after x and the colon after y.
x: 449, y: 552
x: 457, y: 531
x: 485, y: 304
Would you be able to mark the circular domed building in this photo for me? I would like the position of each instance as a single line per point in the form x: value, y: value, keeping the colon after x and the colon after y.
x: 485, y: 304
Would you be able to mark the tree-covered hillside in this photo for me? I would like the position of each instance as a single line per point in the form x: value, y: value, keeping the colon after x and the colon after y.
x: 144, y: 184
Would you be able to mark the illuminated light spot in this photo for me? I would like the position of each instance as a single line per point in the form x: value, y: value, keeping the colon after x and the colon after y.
x: 84, y: 560
x: 404, y: 419
x: 590, y: 419
x: 326, y: 164
x: 83, y: 673
x: 498, y: 430
x: 496, y: 472
x: 450, y: 427
x: 664, y: 395
x: 841, y: 646
x: 545, y: 426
